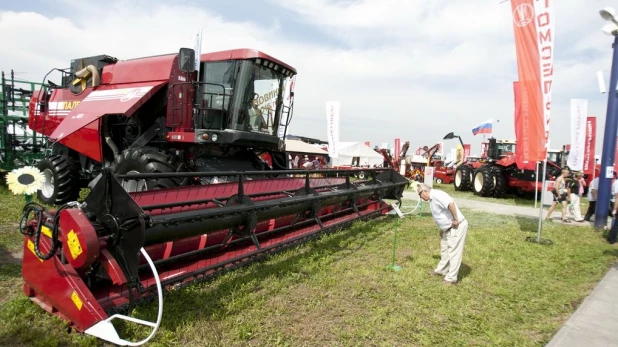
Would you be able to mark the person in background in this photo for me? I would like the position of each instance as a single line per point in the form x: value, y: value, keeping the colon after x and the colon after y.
x: 613, y: 231
x: 576, y: 190
x: 453, y: 229
x: 592, y: 196
x: 561, y: 196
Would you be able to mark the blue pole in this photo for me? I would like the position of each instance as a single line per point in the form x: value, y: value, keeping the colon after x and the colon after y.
x: 609, y: 145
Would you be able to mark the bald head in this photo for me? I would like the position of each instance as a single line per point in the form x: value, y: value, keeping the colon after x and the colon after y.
x: 422, y: 186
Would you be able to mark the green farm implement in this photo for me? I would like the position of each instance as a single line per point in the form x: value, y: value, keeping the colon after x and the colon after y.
x: 19, y: 145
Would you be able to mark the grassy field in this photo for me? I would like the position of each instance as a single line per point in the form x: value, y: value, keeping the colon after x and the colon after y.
x: 509, y: 199
x: 336, y: 290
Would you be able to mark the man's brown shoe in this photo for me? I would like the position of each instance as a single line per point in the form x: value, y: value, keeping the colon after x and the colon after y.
x: 449, y: 283
x: 433, y: 273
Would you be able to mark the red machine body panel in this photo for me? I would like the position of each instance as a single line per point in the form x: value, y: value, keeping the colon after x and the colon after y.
x: 242, y: 53
x: 58, y: 288
x: 107, y: 99
x: 80, y: 128
x: 147, y: 69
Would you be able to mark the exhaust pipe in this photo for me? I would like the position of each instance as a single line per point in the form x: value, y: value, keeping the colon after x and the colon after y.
x: 90, y: 70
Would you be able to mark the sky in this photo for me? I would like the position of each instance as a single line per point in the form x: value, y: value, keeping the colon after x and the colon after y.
x: 414, y: 69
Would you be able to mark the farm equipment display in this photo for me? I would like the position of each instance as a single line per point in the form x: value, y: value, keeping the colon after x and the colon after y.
x: 413, y: 167
x: 496, y: 173
x: 19, y: 146
x: 180, y: 194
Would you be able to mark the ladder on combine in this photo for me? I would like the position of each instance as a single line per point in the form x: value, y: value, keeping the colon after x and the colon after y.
x: 19, y: 146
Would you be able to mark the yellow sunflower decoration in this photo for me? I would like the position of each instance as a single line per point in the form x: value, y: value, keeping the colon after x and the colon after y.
x: 26, y: 180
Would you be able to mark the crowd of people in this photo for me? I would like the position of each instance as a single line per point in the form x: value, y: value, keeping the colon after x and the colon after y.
x: 568, y: 191
x: 305, y: 162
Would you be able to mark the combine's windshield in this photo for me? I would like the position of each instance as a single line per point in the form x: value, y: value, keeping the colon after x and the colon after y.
x: 241, y: 95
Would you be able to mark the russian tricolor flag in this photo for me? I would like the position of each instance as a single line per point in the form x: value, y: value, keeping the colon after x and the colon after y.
x: 483, y: 128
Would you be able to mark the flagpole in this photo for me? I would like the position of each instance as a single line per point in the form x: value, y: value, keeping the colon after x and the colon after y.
x: 537, y: 180
x: 538, y: 234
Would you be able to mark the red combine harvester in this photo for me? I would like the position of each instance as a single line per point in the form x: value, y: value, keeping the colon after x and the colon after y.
x: 179, y: 192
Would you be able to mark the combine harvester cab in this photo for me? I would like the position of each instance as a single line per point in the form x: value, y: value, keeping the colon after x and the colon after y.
x: 182, y: 199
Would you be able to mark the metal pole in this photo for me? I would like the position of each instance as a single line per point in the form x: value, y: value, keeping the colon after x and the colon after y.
x: 609, y: 145
x: 536, y: 191
x: 538, y: 233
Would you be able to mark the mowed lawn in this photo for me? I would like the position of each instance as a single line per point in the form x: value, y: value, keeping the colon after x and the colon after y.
x: 337, y: 290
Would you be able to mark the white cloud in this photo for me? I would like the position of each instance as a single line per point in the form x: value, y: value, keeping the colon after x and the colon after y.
x: 414, y: 69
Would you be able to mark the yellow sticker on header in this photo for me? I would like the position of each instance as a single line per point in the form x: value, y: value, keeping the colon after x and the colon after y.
x: 76, y: 300
x: 31, y: 248
x: 45, y: 230
x: 73, y: 243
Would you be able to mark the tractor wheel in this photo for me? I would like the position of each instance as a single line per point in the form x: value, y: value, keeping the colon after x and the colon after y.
x: 500, y: 182
x: 438, y: 180
x: 483, y: 184
x: 463, y: 178
x: 61, y: 180
x: 144, y: 160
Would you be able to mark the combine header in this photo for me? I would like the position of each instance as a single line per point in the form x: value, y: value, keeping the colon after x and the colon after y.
x: 87, y: 262
x: 179, y: 189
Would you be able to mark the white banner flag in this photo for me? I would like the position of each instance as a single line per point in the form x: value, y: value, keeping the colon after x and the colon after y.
x: 332, y: 127
x: 579, y: 115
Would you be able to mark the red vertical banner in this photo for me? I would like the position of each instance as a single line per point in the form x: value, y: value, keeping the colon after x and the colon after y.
x: 590, y: 145
x: 533, y: 24
x: 418, y: 151
x: 483, y: 149
x: 397, y: 149
x: 368, y: 144
x: 466, y: 151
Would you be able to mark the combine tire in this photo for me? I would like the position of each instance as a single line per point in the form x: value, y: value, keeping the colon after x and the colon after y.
x: 61, y: 180
x: 463, y: 178
x: 500, y: 182
x: 483, y: 184
x: 144, y: 160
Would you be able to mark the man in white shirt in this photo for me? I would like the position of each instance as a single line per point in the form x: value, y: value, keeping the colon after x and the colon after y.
x: 453, y: 229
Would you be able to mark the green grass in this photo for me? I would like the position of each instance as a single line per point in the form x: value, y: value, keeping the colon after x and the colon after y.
x: 336, y: 291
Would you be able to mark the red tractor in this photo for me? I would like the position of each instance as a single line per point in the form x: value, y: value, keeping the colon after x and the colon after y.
x: 173, y: 152
x: 496, y: 173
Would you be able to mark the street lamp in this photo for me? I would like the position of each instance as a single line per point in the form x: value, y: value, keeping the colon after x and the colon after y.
x: 611, y: 126
x: 451, y: 136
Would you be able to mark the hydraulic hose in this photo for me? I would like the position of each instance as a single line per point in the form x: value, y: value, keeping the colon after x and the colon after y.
x: 26, y: 230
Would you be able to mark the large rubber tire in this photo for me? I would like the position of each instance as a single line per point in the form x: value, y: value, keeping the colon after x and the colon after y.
x: 500, y: 183
x: 62, y: 182
x: 483, y: 184
x: 144, y: 160
x: 463, y: 178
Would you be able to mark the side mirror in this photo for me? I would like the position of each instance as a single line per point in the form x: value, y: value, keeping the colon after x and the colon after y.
x: 186, y: 60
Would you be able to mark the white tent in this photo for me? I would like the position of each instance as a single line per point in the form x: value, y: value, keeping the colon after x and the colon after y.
x: 296, y: 146
x: 349, y: 150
